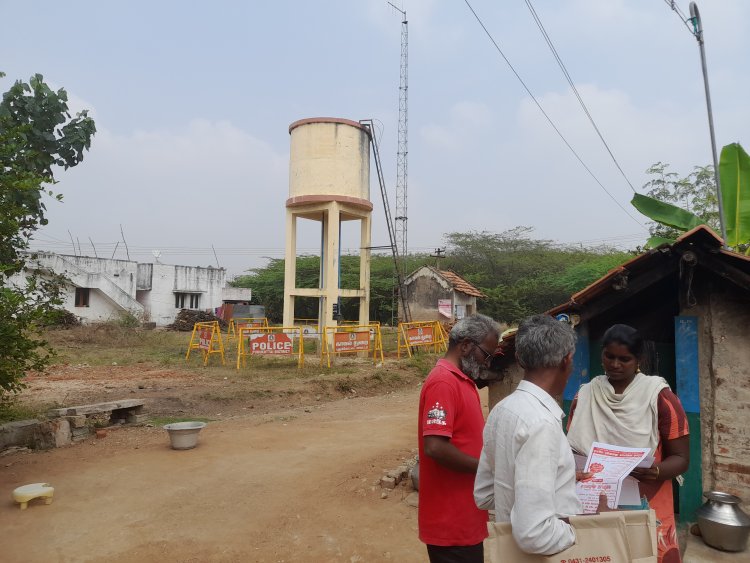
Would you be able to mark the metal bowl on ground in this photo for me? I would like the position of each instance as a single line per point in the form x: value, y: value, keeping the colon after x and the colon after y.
x: 184, y: 435
x: 723, y: 524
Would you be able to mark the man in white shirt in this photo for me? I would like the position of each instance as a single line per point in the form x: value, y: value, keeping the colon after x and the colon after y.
x: 526, y: 469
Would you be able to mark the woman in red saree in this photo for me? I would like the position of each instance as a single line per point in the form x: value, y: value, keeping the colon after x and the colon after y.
x: 628, y: 408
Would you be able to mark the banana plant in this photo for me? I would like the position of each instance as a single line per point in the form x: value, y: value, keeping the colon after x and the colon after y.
x: 734, y: 174
x: 734, y: 169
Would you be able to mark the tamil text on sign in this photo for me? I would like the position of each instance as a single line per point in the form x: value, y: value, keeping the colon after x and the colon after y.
x: 420, y: 335
x: 351, y: 341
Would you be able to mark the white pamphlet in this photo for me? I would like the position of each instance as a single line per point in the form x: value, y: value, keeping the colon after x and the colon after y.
x: 610, y: 466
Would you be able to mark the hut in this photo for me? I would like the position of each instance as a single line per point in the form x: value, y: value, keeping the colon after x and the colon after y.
x: 691, y: 302
x: 439, y: 295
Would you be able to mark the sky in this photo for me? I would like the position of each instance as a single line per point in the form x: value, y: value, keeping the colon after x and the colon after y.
x: 192, y: 102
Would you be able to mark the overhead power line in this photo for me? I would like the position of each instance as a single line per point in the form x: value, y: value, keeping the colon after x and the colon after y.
x: 549, y: 120
x: 575, y: 90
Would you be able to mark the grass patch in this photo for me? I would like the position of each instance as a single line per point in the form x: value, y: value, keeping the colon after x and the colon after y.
x: 10, y: 410
x: 423, y: 362
x: 162, y: 420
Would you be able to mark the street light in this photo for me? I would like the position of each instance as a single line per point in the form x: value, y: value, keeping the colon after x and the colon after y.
x: 695, y: 19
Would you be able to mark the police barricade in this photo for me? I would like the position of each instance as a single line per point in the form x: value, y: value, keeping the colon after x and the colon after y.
x: 206, y: 337
x: 421, y: 334
x: 351, y: 339
x: 277, y: 341
x: 237, y: 323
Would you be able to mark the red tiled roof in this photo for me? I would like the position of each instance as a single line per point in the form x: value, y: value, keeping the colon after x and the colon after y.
x: 459, y: 283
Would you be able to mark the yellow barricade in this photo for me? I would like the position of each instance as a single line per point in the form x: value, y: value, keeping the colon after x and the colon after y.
x: 351, y: 339
x: 420, y: 334
x: 206, y: 337
x: 237, y: 323
x: 270, y: 341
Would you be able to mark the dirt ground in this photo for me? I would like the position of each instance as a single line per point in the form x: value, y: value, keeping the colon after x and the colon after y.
x: 284, y: 471
x: 291, y: 486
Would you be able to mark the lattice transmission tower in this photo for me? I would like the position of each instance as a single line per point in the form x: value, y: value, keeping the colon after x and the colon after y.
x: 402, y: 151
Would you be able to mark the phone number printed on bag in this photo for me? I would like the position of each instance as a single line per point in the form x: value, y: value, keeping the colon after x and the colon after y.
x: 591, y: 559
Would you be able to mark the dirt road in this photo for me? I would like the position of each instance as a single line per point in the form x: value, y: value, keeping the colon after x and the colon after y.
x: 285, y: 486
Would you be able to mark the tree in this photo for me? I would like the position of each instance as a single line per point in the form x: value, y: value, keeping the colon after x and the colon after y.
x: 520, y: 275
x: 695, y: 193
x: 678, y: 205
x: 267, y: 284
x: 38, y: 136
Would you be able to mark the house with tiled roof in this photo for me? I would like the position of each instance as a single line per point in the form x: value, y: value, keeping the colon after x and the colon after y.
x: 439, y: 295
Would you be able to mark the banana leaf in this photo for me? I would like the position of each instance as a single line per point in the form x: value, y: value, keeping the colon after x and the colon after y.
x: 734, y: 175
x: 666, y: 213
x: 654, y: 242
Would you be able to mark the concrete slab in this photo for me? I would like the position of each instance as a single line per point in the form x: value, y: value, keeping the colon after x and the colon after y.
x: 97, y: 408
x: 698, y: 552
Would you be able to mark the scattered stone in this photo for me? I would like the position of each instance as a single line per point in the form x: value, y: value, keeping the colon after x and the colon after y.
x: 395, y: 475
x: 412, y: 499
x: 387, y: 482
x: 384, y: 493
x: 141, y: 386
x: 308, y: 410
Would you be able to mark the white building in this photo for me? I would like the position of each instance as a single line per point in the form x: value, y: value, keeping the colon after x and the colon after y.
x: 101, y: 290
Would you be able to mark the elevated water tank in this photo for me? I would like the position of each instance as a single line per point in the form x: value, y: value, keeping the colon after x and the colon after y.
x: 329, y: 160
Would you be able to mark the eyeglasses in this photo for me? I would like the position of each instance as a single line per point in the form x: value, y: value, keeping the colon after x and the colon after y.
x: 487, y: 355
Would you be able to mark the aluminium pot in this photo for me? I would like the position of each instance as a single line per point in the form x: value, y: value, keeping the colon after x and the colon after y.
x: 184, y: 435
x: 722, y: 522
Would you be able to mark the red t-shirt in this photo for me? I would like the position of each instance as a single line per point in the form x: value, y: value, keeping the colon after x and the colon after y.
x: 449, y: 406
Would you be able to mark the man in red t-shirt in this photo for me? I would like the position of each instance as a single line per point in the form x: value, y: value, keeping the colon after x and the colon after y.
x: 450, y: 441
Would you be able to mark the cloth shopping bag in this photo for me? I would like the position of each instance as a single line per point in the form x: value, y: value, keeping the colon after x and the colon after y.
x: 600, y: 538
x: 641, y: 532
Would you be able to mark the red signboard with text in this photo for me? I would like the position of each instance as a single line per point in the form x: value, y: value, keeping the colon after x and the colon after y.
x: 275, y: 344
x: 351, y: 341
x: 204, y: 339
x: 420, y: 335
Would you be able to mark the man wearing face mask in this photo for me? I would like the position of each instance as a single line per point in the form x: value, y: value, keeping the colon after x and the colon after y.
x: 450, y: 441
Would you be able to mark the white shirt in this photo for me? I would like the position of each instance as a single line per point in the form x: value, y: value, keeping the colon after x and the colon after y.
x: 527, y: 472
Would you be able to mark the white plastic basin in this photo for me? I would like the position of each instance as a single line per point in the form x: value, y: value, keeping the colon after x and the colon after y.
x: 184, y: 435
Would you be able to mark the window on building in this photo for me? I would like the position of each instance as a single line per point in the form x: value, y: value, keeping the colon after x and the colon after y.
x: 82, y: 296
x: 187, y: 300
